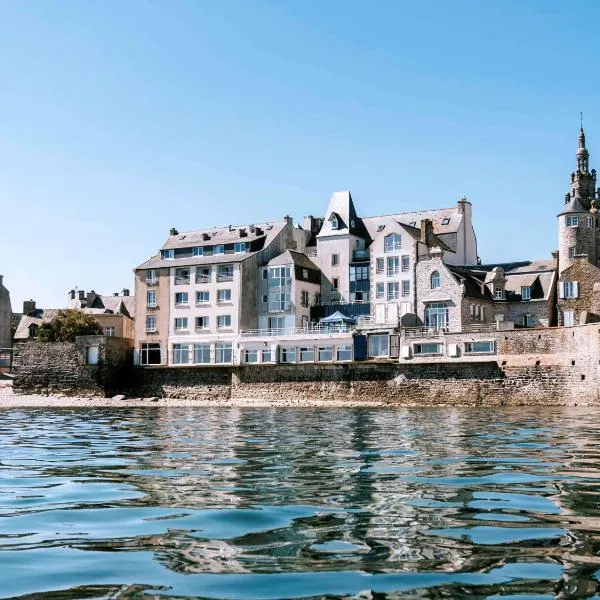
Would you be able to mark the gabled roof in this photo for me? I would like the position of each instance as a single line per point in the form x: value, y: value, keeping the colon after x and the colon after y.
x: 474, y: 283
x: 437, y: 216
x: 290, y: 257
x: 39, y: 316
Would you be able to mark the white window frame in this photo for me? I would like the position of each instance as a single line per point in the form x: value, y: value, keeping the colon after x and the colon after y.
x: 220, y: 349
x: 204, y: 293
x: 569, y: 290
x: 393, y: 290
x: 151, y: 303
x: 151, y: 324
x: 335, y: 260
x: 572, y: 221
x: 182, y: 298
x: 379, y: 266
x: 205, y: 320
x: 151, y: 276
x: 223, y: 292
x: 392, y: 242
x: 526, y: 292
x: 201, y: 349
x: 220, y: 319
x: 435, y: 280
x: 109, y: 331
x: 393, y: 266
x: 405, y: 291
x: 180, y: 324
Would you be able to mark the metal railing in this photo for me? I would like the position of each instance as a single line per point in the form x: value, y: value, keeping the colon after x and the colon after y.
x: 298, y: 331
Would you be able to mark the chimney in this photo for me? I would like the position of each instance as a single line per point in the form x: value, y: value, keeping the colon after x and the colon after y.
x: 258, y: 231
x: 1, y: 277
x: 125, y: 292
x: 72, y: 294
x: 426, y: 232
x: 288, y: 220
x: 91, y: 296
x: 28, y: 307
x: 81, y: 294
x: 555, y: 259
x: 173, y: 231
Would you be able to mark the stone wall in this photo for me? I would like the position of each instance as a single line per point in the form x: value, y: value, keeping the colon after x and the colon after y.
x: 61, y: 367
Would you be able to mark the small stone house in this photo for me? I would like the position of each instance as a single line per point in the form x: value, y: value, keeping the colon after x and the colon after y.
x: 455, y: 298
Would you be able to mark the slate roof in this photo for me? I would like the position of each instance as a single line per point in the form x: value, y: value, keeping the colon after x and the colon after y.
x: 436, y: 216
x: 39, y: 316
x: 219, y: 235
x: 293, y: 257
x: 342, y: 208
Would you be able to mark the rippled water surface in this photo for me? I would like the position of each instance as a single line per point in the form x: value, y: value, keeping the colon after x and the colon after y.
x: 306, y: 503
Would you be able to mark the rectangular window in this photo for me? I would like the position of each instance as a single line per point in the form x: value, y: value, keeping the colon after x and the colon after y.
x: 393, y: 266
x: 344, y: 353
x: 182, y: 276
x: 224, y: 353
x: 202, y: 297
x: 288, y: 355
x: 472, y: 307
x: 445, y: 221
x: 225, y: 273
x: 427, y: 349
x: 151, y: 298
x: 379, y: 290
x: 109, y: 331
x: 307, y: 354
x: 335, y: 260
x: 150, y: 354
x: 223, y: 321
x: 203, y: 274
x: 571, y: 221
x: 181, y: 323
x: 406, y: 288
x: 326, y: 354
x: 569, y: 318
x: 240, y: 247
x: 479, y: 347
x: 571, y: 251
x: 526, y: 293
x: 265, y: 274
x: 181, y: 354
x: 251, y: 356
x: 150, y: 324
x: 393, y: 290
x: 198, y: 251
x: 405, y: 264
x: 223, y: 296
x: 279, y: 301
x: 379, y: 345
x: 304, y: 298
x: 526, y: 320
x: 202, y: 353
x: 202, y: 322
x: 219, y: 249
x: 151, y: 276
x: 569, y: 289
x: 304, y: 273
x: 590, y: 222
x: 436, y: 315
x: 168, y: 254
x: 181, y: 298
x: 92, y: 355
x: 335, y: 282
x: 392, y: 242
x: 266, y: 355
x: 499, y: 293
x: 379, y: 266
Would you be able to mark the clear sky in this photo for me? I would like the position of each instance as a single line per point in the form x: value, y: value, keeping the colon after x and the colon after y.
x: 121, y: 119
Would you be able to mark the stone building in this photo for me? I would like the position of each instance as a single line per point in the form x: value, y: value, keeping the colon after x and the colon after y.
x: 458, y: 298
x: 5, y: 316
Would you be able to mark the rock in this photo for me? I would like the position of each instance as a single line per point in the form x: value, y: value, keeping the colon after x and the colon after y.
x: 118, y: 397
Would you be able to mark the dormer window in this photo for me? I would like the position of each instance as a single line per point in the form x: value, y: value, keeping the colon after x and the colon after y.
x: 168, y: 254
x: 335, y: 224
x: 435, y: 280
x: 198, y: 251
x: 33, y: 330
x: 499, y: 293
x: 526, y: 293
x: 445, y: 221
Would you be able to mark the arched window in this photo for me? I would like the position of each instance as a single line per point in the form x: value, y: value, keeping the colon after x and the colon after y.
x: 334, y: 222
x: 435, y: 280
x: 392, y: 242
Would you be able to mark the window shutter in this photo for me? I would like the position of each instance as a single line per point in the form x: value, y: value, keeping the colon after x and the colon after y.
x: 561, y: 289
x: 575, y: 289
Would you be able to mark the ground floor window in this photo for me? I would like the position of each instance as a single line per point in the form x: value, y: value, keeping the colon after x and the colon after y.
x: 150, y: 354
x: 436, y: 315
x: 344, y: 353
x: 326, y: 354
x: 288, y: 355
x: 307, y: 354
x: 569, y: 318
x: 224, y: 352
x: 201, y: 353
x: 428, y: 349
x: 526, y: 321
x: 478, y: 347
x: 379, y: 345
x: 266, y: 355
x: 251, y: 356
x: 181, y: 354
x: 92, y: 355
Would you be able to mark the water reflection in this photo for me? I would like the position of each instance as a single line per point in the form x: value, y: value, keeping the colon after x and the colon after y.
x: 259, y: 503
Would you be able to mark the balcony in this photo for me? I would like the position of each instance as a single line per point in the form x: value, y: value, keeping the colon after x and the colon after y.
x: 360, y: 256
x: 202, y: 278
x: 182, y: 280
x: 224, y: 277
x: 311, y: 330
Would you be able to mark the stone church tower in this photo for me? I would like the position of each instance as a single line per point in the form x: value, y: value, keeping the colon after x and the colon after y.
x: 579, y: 222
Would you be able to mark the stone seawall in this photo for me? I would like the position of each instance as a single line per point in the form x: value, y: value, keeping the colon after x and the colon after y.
x: 461, y: 384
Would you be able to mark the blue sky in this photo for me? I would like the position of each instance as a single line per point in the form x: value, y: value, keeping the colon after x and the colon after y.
x: 120, y: 120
